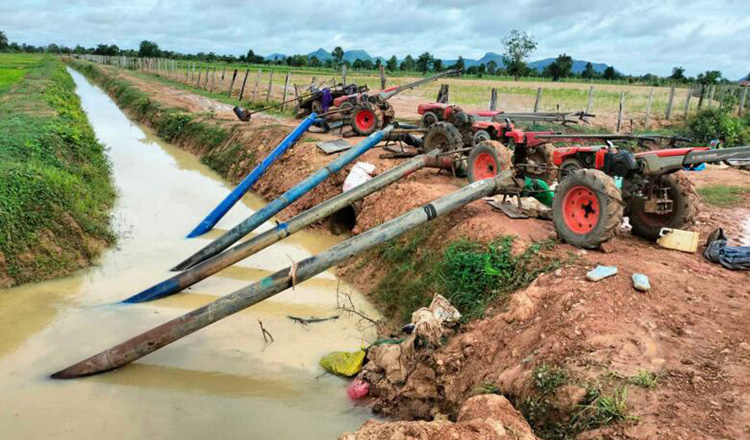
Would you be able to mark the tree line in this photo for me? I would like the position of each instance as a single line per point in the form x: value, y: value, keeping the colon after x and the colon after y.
x: 518, y: 46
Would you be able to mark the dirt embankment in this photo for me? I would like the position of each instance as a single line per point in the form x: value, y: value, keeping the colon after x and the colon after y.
x: 55, y: 188
x: 572, y: 355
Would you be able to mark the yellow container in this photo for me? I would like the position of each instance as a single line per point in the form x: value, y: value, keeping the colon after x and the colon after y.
x: 686, y: 241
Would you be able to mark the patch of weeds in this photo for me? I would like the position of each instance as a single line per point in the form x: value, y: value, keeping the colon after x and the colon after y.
x: 644, y: 379
x: 487, y: 388
x: 601, y: 410
x: 723, y: 195
x: 469, y: 274
x: 548, y: 378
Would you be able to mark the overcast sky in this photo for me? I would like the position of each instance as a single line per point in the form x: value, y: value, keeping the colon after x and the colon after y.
x: 636, y: 37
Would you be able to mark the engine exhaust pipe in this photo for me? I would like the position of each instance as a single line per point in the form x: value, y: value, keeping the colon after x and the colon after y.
x: 286, y: 199
x: 214, y: 216
x: 158, y: 337
x: 243, y: 250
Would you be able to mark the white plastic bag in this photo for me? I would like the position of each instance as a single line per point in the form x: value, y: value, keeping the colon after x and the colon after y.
x: 360, y: 173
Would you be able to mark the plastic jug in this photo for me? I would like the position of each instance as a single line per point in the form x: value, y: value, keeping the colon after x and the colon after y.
x: 681, y: 240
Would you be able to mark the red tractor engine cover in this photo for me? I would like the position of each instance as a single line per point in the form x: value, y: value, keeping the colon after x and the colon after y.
x: 436, y: 107
x: 562, y: 153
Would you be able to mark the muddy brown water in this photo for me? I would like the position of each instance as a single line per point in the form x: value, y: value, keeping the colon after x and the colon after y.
x: 221, y: 382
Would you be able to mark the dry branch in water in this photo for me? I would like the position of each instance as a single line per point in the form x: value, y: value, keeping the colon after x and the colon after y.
x: 266, y: 334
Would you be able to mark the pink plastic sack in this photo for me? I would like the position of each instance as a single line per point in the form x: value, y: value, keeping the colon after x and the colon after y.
x: 358, y: 389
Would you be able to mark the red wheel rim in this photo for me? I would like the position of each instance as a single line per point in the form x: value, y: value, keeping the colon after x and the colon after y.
x: 484, y: 166
x: 581, y: 210
x: 365, y: 120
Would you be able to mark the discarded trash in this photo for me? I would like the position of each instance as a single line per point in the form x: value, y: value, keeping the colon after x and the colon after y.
x: 361, y: 172
x: 358, y: 389
x: 601, y: 272
x: 625, y: 226
x: 731, y: 257
x: 640, y: 282
x: 678, y: 239
x: 335, y: 146
x: 343, y: 363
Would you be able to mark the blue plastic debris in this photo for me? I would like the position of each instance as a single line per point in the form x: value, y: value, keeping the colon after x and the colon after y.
x: 640, y: 282
x: 600, y: 272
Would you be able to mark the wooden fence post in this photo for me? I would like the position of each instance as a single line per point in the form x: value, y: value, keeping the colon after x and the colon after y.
x: 743, y: 97
x: 711, y: 91
x: 720, y: 98
x: 198, y: 84
x: 231, y: 84
x: 257, y: 83
x: 669, y: 104
x: 538, y: 99
x: 270, y: 86
x: 619, y: 113
x: 442, y: 96
x: 687, y: 103
x: 382, y: 77
x: 493, y: 99
x: 343, y: 74
x: 590, y: 101
x: 223, y: 71
x: 205, y: 80
x: 648, y: 109
x: 703, y: 94
x: 286, y: 85
x: 242, y: 90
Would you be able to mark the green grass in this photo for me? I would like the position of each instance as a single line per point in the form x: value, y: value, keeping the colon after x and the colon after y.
x: 14, y: 67
x: 601, y: 410
x: 470, y: 275
x: 723, y: 195
x: 644, y: 379
x: 548, y: 378
x: 55, y: 191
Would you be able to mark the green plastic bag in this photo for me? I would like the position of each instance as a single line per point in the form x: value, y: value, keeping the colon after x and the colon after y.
x: 343, y: 363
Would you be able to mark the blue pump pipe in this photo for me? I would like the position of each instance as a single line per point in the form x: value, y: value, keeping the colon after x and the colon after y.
x: 286, y: 199
x: 214, y: 216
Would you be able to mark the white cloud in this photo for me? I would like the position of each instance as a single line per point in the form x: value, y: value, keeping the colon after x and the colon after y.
x: 636, y: 37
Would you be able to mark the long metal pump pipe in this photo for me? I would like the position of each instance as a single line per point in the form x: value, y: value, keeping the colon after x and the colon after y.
x: 282, y: 230
x: 286, y: 199
x: 171, y: 331
x: 229, y: 201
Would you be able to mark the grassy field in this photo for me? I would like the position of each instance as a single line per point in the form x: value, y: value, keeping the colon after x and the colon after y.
x: 55, y: 191
x: 471, y: 92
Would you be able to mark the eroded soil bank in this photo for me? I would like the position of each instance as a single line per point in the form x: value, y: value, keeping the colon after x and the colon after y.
x: 579, y: 359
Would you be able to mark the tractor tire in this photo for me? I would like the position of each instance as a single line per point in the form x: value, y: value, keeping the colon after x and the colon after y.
x: 389, y: 113
x: 316, y: 106
x: 568, y: 166
x: 481, y: 136
x: 366, y: 119
x: 487, y: 159
x: 346, y: 106
x: 685, y: 208
x: 442, y: 135
x: 587, y: 209
x: 540, y: 163
x: 428, y: 118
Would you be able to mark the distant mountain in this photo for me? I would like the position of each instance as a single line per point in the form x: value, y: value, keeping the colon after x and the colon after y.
x: 352, y: 55
x: 274, y: 57
x: 578, y: 65
x: 321, y: 54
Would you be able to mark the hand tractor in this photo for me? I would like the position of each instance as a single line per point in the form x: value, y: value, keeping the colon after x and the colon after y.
x: 588, y: 206
x: 367, y: 113
x: 461, y: 132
